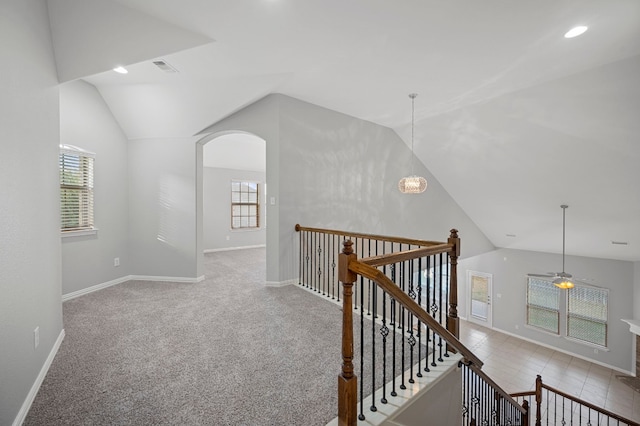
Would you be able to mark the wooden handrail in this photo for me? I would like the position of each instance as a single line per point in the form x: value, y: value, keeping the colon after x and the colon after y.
x: 538, y: 394
x: 401, y: 256
x: 401, y: 297
x: 589, y: 405
x: 401, y: 240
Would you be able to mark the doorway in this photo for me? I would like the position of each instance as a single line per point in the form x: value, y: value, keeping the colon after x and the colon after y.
x: 479, y: 285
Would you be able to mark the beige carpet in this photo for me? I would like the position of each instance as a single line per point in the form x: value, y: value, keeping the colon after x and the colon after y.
x: 226, y: 351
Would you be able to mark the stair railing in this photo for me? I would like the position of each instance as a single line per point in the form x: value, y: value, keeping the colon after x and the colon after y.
x: 408, y: 289
x: 554, y: 407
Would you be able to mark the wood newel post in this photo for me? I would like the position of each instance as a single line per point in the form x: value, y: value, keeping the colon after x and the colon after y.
x: 538, y: 400
x: 452, y: 319
x: 347, y: 380
x: 525, y: 419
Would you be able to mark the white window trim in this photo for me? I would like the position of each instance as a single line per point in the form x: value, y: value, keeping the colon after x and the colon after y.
x: 75, y: 150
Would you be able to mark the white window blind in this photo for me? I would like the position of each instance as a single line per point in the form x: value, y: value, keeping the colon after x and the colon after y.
x: 76, y: 188
x: 245, y: 207
x: 543, y: 305
x: 587, y: 310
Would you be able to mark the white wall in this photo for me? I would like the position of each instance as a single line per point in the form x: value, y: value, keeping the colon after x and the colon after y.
x: 162, y: 207
x: 217, y: 210
x: 87, y: 122
x: 337, y: 171
x: 636, y: 290
x: 29, y: 202
x: 510, y: 268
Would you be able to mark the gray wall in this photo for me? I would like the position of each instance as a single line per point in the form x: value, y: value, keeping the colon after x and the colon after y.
x: 510, y: 268
x: 162, y: 207
x: 87, y: 122
x: 337, y: 171
x: 636, y: 290
x: 217, y: 210
x: 29, y: 201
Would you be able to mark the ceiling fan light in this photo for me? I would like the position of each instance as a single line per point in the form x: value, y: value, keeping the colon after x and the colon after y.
x: 563, y: 283
x: 412, y: 185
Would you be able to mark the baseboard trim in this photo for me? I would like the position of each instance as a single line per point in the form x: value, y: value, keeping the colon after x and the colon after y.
x: 234, y: 248
x: 166, y: 279
x: 31, y: 396
x: 93, y: 288
x: 555, y: 348
x: 126, y: 278
x: 281, y: 283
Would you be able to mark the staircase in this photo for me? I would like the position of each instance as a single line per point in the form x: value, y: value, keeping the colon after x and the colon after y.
x: 402, y: 362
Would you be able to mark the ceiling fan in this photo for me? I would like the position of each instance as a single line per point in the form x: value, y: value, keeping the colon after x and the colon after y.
x: 560, y: 279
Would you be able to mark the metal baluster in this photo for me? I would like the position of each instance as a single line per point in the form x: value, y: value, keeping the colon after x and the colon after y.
x: 434, y: 310
x: 368, y: 298
x: 309, y: 238
x: 300, y: 258
x: 384, y: 330
x: 373, y: 352
x: 393, y: 336
x: 427, y: 329
x: 402, y: 325
x: 333, y: 268
x: 325, y: 283
x: 419, y: 373
x: 411, y: 338
x: 361, y: 416
x: 446, y: 300
x: 440, y: 310
x: 319, y: 280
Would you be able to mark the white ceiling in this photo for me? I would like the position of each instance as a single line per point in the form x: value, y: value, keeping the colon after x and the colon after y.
x: 512, y: 118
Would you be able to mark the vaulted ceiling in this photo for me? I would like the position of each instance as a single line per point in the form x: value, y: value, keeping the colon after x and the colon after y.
x: 512, y: 118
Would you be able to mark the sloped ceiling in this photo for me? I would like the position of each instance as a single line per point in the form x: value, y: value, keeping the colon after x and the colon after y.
x: 512, y: 118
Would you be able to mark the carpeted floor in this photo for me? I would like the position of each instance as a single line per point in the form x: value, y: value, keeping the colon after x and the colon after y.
x: 226, y: 351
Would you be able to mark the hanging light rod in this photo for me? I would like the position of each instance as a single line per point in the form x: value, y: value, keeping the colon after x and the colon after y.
x: 412, y: 184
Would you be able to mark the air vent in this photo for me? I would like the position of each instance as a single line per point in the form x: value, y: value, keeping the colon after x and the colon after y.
x: 620, y: 243
x: 164, y: 66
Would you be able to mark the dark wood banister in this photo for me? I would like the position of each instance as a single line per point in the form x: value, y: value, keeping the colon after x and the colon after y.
x: 401, y: 297
x: 538, y: 395
x: 388, y: 259
x: 401, y: 240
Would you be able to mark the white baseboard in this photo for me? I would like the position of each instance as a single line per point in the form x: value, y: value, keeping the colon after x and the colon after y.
x: 93, y: 288
x: 166, y: 279
x: 126, y: 278
x: 555, y: 348
x: 234, y: 248
x: 31, y: 396
x: 281, y: 283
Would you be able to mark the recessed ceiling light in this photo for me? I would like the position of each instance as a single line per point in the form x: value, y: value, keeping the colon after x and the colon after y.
x: 120, y: 70
x: 575, y: 31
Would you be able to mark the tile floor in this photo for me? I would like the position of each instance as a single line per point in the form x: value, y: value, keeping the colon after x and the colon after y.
x: 514, y: 363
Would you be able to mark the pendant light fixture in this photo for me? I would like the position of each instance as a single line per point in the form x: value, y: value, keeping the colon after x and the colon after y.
x: 412, y: 184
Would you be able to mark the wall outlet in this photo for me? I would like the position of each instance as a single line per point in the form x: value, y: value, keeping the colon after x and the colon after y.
x: 36, y: 337
x: 116, y: 261
x: 517, y: 326
x: 595, y: 351
x: 228, y: 238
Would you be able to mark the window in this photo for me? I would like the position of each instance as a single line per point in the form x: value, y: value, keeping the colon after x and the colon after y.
x: 245, y: 208
x: 543, y: 305
x: 587, y: 314
x: 76, y: 189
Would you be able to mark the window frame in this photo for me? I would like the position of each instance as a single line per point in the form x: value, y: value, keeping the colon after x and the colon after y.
x: 543, y: 308
x: 252, y: 201
x: 81, y: 166
x: 604, y: 293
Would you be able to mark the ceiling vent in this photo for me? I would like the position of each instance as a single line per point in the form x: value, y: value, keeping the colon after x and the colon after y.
x: 164, y: 66
x: 620, y: 243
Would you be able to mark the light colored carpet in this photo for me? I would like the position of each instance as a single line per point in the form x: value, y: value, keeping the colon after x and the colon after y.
x: 226, y: 351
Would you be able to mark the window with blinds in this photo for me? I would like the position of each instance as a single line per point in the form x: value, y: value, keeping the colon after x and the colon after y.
x: 587, y: 310
x: 245, y: 207
x: 76, y: 189
x: 543, y: 305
